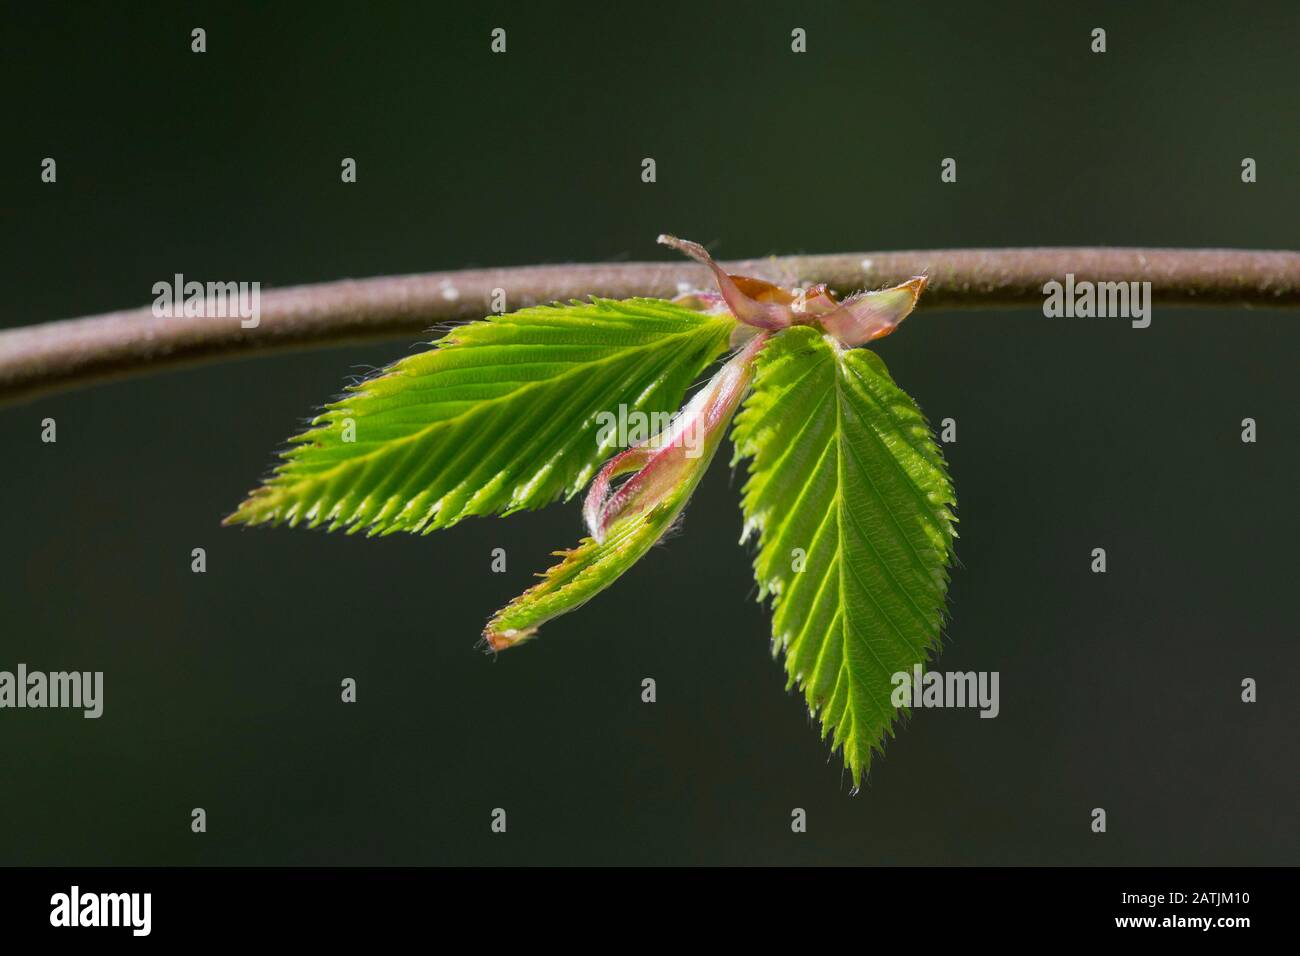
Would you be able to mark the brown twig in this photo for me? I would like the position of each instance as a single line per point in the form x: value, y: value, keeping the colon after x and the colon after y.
x: 74, y: 352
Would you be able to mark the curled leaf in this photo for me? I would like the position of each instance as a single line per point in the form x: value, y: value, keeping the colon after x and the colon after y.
x: 677, y: 454
x: 625, y: 523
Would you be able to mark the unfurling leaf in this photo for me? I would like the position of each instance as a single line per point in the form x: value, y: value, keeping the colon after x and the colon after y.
x: 846, y: 474
x: 625, y: 523
x: 499, y: 416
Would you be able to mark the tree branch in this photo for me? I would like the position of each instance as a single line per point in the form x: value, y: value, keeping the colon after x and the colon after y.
x: 73, y: 352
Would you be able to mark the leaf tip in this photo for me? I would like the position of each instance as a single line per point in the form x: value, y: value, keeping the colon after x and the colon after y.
x: 497, y: 640
x: 247, y: 513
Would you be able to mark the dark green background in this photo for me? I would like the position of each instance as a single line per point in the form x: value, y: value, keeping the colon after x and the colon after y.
x: 222, y: 690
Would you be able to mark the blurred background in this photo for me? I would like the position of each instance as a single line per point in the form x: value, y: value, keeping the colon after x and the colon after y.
x: 1119, y: 691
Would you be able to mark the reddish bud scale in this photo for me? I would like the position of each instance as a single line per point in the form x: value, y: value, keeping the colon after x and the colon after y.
x: 855, y: 321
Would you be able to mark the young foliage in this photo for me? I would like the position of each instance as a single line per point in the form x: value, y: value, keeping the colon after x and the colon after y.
x: 847, y: 490
x: 624, y: 524
x: 499, y: 416
x: 852, y: 503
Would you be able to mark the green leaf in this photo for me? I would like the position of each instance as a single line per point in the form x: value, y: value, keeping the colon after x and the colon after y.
x: 500, y: 415
x: 846, y: 483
